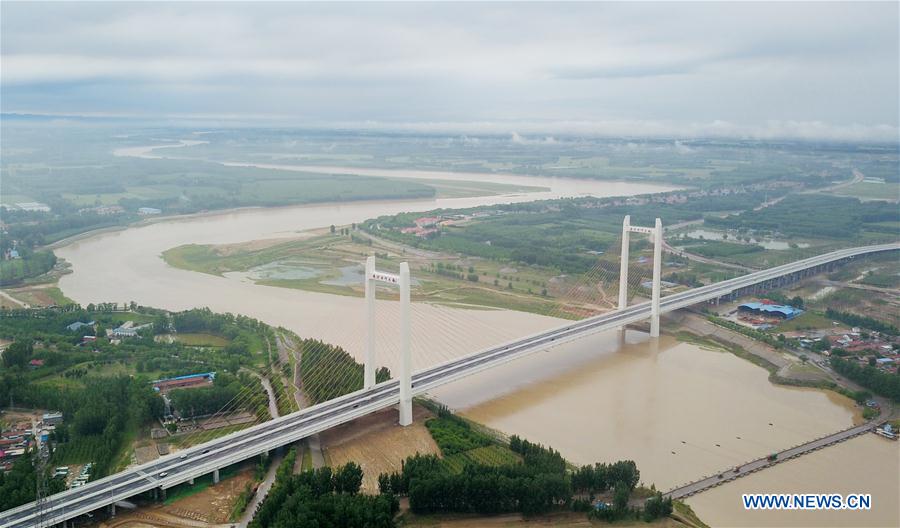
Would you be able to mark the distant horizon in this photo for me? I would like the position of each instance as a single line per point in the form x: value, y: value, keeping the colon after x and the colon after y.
x: 532, y: 133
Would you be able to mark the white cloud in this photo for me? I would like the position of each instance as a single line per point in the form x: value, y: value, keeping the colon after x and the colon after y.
x: 805, y: 70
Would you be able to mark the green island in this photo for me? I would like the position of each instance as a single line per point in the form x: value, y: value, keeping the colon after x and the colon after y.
x: 453, y: 262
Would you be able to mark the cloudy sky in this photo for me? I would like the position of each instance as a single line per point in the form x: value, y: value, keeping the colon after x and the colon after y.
x: 807, y: 70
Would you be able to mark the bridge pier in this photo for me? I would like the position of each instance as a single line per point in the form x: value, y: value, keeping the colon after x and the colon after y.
x: 657, y: 278
x: 215, y: 476
x: 623, y: 263
x: 656, y: 234
x: 369, y: 364
x: 403, y: 281
x: 405, y: 353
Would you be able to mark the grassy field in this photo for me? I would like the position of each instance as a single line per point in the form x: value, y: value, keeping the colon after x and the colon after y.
x: 208, y: 340
x: 189, y: 440
x: 870, y: 191
x: 805, y: 321
x: 493, y: 455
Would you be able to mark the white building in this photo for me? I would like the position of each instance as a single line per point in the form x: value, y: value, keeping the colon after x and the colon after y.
x: 34, y: 206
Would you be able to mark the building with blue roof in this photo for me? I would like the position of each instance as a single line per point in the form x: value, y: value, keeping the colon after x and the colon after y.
x: 782, y: 311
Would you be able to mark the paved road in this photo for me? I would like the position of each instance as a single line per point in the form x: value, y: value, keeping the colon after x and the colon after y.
x: 753, y: 466
x: 838, y: 284
x: 697, y: 258
x: 241, y: 445
x: 267, y: 385
x: 261, y: 491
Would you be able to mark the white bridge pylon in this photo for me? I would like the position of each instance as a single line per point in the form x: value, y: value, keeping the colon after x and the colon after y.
x: 402, y: 280
x: 656, y: 234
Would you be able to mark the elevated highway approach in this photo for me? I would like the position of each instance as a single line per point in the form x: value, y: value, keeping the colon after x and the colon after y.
x: 216, y: 454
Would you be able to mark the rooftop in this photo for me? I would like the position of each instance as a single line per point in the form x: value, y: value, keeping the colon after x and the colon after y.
x: 783, y: 309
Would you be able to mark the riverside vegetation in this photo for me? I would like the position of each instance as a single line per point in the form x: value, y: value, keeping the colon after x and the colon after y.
x: 103, y: 387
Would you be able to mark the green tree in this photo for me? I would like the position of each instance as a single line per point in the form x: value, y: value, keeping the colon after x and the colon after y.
x: 17, y: 354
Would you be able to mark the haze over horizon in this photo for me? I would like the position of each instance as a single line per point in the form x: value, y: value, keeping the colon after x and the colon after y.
x: 744, y: 70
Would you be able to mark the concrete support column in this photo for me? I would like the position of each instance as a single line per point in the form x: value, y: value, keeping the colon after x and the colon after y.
x: 657, y: 278
x: 405, y: 352
x: 623, y: 264
x: 369, y: 365
x: 215, y: 476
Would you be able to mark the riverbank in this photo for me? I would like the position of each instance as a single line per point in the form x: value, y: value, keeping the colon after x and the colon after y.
x: 785, y: 368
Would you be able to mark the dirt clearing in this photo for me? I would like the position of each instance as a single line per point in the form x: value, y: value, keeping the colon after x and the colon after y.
x: 378, y: 444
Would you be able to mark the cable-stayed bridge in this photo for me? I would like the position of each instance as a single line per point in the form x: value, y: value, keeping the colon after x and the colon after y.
x: 211, y: 456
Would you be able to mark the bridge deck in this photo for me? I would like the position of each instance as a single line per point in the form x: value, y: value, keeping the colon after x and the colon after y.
x: 762, y: 463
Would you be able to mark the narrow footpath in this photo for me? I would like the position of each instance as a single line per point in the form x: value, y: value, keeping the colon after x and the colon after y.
x: 269, y: 479
x: 313, y: 443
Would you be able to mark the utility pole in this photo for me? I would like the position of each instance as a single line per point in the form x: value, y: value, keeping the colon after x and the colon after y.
x: 40, y: 473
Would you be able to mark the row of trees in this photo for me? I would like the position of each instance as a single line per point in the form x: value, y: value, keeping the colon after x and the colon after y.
x: 322, y: 497
x: 878, y: 381
x: 489, y: 490
x: 207, y: 400
x: 601, y: 477
x: 34, y: 228
x: 811, y: 216
x: 345, y: 374
x: 853, y: 319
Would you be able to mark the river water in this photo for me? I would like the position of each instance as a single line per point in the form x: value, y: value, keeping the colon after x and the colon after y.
x: 126, y: 266
x: 661, y: 403
x: 867, y: 464
x: 679, y: 411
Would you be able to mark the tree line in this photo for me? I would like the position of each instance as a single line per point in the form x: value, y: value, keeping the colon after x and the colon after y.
x: 323, y: 497
x: 863, y: 321
x: 31, y: 264
x: 878, y: 381
x: 536, y: 480
x: 345, y: 374
x: 811, y: 216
